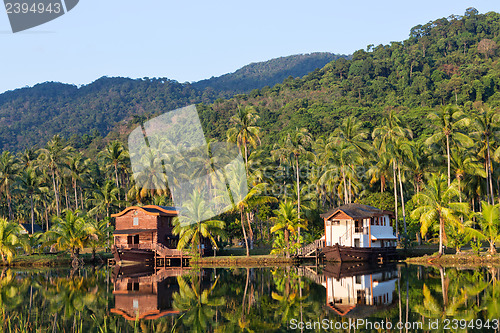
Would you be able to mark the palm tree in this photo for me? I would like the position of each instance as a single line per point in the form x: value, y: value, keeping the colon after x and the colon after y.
x: 447, y: 122
x: 77, y: 167
x: 10, y: 239
x: 287, y: 220
x: 193, y: 224
x: 489, y: 221
x: 487, y: 129
x: 53, y: 157
x: 104, y: 199
x: 244, y: 132
x: 386, y: 138
x: 100, y: 231
x: 30, y: 182
x: 115, y: 157
x: 463, y: 164
x: 69, y: 233
x: 8, y: 172
x: 292, y: 148
x: 436, y: 206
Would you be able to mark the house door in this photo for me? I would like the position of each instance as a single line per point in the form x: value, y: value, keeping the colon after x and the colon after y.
x: 133, y: 239
x: 356, y: 242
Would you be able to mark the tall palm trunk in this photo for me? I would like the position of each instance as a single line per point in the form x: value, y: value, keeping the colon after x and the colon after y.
x: 76, y: 194
x: 298, y: 195
x: 402, y: 199
x: 32, y: 214
x: 441, y: 234
x: 345, y: 187
x: 287, y: 242
x: 244, y: 232
x: 56, y: 193
x: 395, y: 197
x: 449, y: 160
x: 489, y: 171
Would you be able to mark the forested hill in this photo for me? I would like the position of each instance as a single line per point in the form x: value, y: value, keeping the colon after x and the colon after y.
x: 31, y: 116
x: 267, y: 73
x: 452, y: 60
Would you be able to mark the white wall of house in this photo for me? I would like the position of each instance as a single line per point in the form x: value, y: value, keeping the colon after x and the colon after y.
x: 344, y: 233
x: 362, y: 289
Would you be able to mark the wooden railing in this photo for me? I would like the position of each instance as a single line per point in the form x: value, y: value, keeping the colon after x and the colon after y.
x: 145, y: 246
x: 310, y: 248
x: 164, y: 251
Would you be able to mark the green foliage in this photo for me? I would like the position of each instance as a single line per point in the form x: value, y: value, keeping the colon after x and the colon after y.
x: 384, y: 201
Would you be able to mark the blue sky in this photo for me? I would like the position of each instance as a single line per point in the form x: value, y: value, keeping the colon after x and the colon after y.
x: 192, y: 40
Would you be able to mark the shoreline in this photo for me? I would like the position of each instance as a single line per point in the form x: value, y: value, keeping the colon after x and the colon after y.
x: 261, y: 260
x: 465, y: 259
x: 54, y: 260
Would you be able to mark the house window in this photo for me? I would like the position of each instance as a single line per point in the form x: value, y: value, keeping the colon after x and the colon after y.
x: 135, y: 303
x: 136, y: 221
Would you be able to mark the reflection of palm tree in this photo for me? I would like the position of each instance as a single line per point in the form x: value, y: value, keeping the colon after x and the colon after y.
x: 198, y: 305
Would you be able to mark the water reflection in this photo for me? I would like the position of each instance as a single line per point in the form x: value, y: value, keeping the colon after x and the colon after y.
x: 139, y: 299
x: 359, y: 290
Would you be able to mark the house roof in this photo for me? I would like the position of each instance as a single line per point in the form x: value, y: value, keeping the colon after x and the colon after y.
x: 27, y: 227
x: 151, y: 210
x: 357, y: 211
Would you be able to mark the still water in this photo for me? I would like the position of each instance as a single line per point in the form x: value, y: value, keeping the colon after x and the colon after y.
x: 334, y: 298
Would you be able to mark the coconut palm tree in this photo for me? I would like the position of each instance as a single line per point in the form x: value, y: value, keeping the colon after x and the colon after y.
x: 10, y: 239
x: 31, y: 183
x: 489, y: 221
x: 193, y: 223
x: 53, y: 157
x: 463, y: 164
x: 114, y: 157
x: 448, y: 121
x: 385, y: 139
x: 245, y: 132
x: 103, y: 200
x: 69, y: 233
x: 487, y: 129
x: 292, y: 148
x: 9, y: 169
x: 77, y: 167
x: 287, y: 220
x: 437, y: 206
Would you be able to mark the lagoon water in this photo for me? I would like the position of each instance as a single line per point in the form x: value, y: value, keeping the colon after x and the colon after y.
x: 334, y: 298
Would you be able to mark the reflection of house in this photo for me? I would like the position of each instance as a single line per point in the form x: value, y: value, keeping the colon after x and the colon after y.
x: 360, y: 295
x: 355, y: 232
x: 143, y: 234
x: 140, y: 294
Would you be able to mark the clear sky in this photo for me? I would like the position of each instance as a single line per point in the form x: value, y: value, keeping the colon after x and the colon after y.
x: 192, y: 40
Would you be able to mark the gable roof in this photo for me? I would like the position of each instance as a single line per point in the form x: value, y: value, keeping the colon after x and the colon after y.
x: 151, y: 210
x: 27, y: 227
x: 357, y: 211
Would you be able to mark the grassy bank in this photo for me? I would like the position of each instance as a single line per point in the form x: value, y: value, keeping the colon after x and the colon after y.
x: 261, y: 261
x: 463, y: 259
x: 55, y: 259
